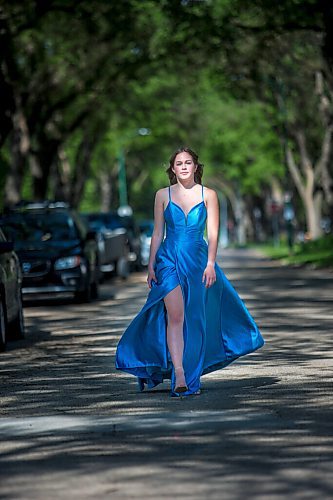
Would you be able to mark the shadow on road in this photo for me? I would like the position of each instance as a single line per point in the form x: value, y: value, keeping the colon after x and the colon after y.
x: 261, y: 426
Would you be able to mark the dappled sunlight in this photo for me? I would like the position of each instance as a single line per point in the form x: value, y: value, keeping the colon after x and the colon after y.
x: 267, y: 415
x: 76, y: 349
x: 210, y: 450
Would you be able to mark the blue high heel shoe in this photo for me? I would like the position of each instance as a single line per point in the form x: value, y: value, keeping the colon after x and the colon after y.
x: 180, y: 389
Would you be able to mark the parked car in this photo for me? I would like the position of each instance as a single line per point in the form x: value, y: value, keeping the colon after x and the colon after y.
x: 112, y: 243
x: 146, y: 230
x: 113, y: 221
x: 11, y: 310
x: 56, y: 252
x: 134, y: 241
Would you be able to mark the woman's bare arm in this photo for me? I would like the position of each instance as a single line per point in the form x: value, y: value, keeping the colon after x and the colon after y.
x: 213, y: 213
x: 158, y: 232
x: 209, y: 275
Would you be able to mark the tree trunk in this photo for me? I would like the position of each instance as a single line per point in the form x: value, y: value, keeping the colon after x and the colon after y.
x: 305, y: 178
x: 105, y: 188
x: 40, y: 171
x: 60, y: 176
x: 41, y: 162
x: 82, y: 168
x: 241, y: 220
x: 108, y: 183
x: 19, y: 146
x: 227, y: 189
x: 251, y: 228
x: 312, y: 205
x: 8, y: 75
x: 326, y: 111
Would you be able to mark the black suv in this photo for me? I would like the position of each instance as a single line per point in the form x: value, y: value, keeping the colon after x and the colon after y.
x: 56, y: 251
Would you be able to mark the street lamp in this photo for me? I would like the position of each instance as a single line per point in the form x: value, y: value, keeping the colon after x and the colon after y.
x: 124, y: 208
x: 122, y: 183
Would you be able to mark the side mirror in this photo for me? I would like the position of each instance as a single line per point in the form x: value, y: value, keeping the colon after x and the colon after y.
x: 6, y: 246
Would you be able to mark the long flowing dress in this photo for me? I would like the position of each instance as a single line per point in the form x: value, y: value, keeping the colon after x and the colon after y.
x: 217, y: 326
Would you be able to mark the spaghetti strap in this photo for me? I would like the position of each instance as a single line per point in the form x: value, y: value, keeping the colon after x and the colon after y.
x: 202, y: 192
x: 169, y: 194
x: 217, y: 328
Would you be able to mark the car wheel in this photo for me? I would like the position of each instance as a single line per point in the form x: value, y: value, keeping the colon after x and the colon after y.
x: 2, y: 328
x: 16, y: 328
x: 138, y: 265
x: 94, y: 285
x: 98, y: 272
x: 83, y: 296
x: 94, y: 290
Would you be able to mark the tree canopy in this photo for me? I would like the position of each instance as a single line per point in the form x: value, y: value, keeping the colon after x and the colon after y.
x: 248, y: 85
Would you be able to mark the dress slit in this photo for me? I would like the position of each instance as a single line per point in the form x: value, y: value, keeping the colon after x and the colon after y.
x: 217, y: 327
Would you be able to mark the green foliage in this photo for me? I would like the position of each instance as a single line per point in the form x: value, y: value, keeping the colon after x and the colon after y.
x: 90, y: 201
x: 240, y: 143
x: 203, y: 74
x: 318, y: 253
x: 233, y: 137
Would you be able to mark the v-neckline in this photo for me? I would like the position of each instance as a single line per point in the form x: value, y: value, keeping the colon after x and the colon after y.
x: 180, y: 208
x: 182, y: 211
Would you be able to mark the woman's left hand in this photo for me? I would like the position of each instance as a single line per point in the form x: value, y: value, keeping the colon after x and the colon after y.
x: 209, y: 275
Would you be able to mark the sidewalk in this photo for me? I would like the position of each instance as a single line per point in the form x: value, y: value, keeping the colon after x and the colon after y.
x: 73, y: 427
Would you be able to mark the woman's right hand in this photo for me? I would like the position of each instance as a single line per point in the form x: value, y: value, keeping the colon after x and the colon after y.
x: 151, y: 277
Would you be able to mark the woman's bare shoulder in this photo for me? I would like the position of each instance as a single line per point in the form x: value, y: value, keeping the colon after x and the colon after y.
x: 162, y: 190
x: 210, y: 194
x: 161, y: 193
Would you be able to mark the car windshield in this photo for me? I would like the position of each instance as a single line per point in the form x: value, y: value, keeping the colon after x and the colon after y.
x: 109, y: 221
x: 147, y: 228
x: 39, y: 227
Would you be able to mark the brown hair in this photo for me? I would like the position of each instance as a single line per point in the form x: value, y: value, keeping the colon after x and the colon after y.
x: 197, y: 174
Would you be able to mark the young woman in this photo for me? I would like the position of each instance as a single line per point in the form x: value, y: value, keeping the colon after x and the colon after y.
x: 193, y: 321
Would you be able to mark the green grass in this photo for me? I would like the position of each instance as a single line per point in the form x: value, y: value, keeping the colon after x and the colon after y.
x: 318, y: 253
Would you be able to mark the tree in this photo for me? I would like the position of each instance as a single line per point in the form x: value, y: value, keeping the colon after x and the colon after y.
x: 60, y: 82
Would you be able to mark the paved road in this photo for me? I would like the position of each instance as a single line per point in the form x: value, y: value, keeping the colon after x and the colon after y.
x: 72, y: 427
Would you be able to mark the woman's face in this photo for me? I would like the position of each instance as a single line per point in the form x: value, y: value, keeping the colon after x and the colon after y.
x: 183, y: 166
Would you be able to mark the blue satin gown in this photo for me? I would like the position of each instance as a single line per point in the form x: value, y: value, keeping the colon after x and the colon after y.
x: 217, y: 327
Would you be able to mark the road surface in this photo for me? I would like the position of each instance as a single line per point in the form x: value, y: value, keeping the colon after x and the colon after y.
x: 71, y: 427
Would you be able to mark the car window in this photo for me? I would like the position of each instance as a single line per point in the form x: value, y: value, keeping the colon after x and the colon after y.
x: 39, y: 227
x: 147, y: 229
x: 105, y: 220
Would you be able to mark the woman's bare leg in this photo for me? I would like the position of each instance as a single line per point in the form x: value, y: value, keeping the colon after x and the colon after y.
x: 175, y: 339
